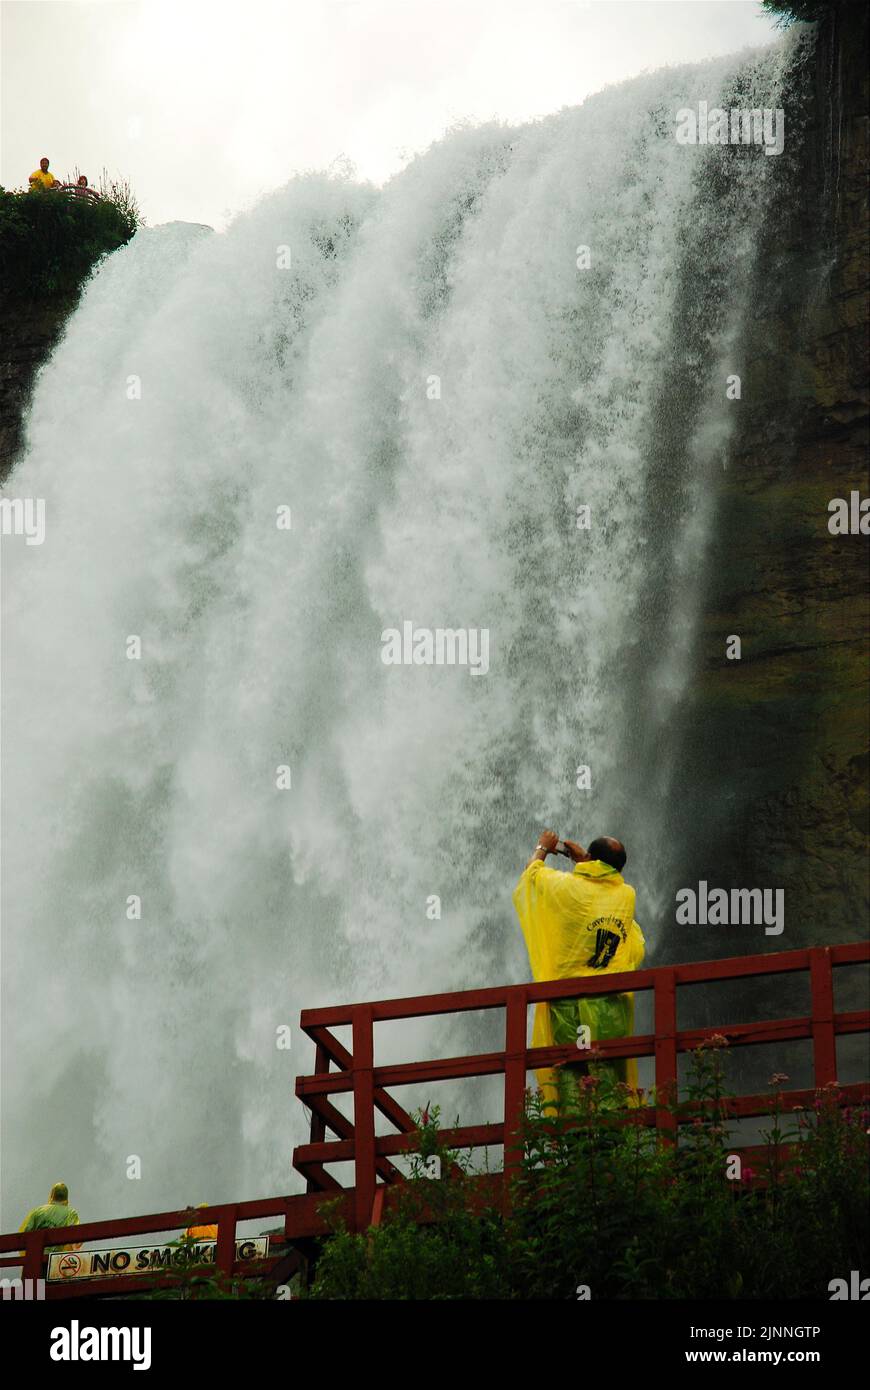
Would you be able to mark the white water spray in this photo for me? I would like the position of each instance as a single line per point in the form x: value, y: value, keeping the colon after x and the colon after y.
x: 312, y: 388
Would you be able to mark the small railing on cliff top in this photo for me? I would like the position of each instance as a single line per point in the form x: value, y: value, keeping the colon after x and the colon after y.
x: 371, y: 1155
x: 72, y: 190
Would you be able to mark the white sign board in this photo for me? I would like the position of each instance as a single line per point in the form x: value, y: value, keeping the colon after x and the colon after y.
x: 146, y: 1259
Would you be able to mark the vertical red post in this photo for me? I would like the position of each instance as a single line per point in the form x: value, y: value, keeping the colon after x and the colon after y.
x: 34, y: 1253
x: 225, y: 1252
x: 318, y: 1124
x: 514, y: 1078
x: 822, y: 997
x: 363, y: 1115
x: 665, y: 1028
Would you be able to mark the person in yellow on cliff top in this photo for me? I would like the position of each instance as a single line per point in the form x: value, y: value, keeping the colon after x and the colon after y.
x: 41, y: 179
x: 580, y: 923
x: 55, y: 1212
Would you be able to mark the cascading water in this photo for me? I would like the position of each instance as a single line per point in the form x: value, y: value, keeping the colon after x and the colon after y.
x: 200, y: 388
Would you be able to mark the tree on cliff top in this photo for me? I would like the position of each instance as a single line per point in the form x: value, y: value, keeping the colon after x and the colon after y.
x: 788, y: 11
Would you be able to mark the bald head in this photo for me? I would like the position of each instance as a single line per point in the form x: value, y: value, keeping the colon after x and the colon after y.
x: 609, y: 851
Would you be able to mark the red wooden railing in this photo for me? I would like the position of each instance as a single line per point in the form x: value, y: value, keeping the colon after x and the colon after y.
x: 301, y: 1219
x: 369, y: 1084
x: 357, y: 1073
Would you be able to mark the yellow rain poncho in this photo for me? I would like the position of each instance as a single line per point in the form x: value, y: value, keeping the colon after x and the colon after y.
x: 41, y: 179
x: 51, y: 1215
x: 580, y: 923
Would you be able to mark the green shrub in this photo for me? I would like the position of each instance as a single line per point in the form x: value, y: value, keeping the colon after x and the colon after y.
x: 441, y: 1242
x: 601, y: 1203
x: 50, y: 241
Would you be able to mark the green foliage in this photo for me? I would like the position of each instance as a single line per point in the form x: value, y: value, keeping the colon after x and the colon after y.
x: 787, y: 11
x: 50, y: 241
x: 600, y: 1202
x: 441, y: 1241
x: 461, y: 1251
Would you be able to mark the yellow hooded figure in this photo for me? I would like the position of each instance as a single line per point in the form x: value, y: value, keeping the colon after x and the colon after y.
x: 55, y: 1212
x: 580, y: 923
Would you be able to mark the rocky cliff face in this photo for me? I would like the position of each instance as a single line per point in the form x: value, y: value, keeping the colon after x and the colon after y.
x: 783, y: 733
x: 30, y: 331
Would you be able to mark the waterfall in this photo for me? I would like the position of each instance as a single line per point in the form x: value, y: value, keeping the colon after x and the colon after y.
x: 433, y: 386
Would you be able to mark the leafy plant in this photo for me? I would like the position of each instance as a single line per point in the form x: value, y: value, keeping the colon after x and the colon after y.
x: 601, y: 1202
x: 440, y: 1242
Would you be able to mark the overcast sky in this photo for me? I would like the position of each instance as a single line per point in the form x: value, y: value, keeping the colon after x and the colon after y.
x: 204, y: 106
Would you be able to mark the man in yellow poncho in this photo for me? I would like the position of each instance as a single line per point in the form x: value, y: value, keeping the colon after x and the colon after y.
x: 41, y: 179
x: 580, y: 923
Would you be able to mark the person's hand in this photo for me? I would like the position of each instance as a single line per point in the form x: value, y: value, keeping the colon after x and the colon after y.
x: 548, y: 840
x: 575, y: 851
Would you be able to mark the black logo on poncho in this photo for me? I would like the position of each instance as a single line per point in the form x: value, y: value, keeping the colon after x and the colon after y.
x: 609, y: 933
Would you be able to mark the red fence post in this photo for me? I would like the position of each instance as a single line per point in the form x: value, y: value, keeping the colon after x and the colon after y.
x: 665, y: 1028
x: 34, y: 1254
x: 363, y: 1114
x: 318, y: 1124
x: 822, y: 997
x: 516, y: 1019
x: 225, y: 1251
